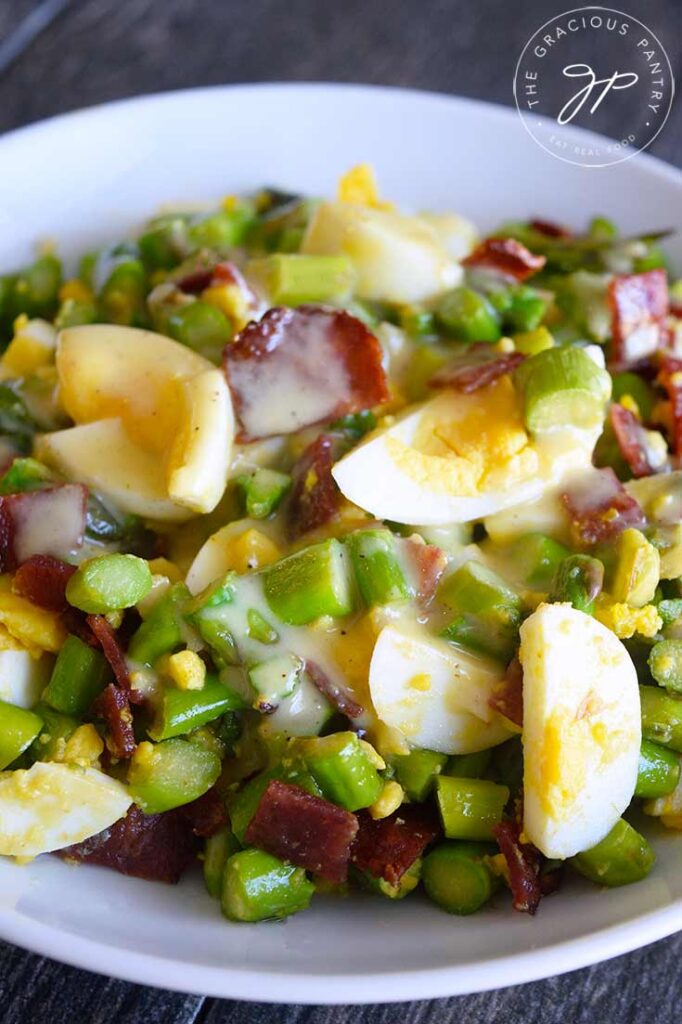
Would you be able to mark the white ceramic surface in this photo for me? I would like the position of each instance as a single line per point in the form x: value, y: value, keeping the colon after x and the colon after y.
x: 86, y: 178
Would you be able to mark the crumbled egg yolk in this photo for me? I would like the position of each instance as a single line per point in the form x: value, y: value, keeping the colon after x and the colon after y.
x: 31, y: 347
x: 84, y: 747
x: 625, y: 621
x: 231, y: 300
x: 35, y: 628
x: 359, y: 185
x: 186, y: 670
x: 251, y: 550
x: 388, y: 801
x: 629, y: 403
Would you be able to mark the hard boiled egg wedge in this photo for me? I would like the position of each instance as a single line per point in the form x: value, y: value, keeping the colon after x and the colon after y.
x: 52, y: 805
x: 457, y: 458
x: 581, y: 729
x: 396, y: 258
x: 23, y: 677
x: 434, y: 694
x: 154, y: 421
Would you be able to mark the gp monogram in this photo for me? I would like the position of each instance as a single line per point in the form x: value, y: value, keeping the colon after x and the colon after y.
x: 599, y: 69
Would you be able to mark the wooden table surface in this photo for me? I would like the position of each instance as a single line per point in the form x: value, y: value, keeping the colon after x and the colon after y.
x: 56, y: 55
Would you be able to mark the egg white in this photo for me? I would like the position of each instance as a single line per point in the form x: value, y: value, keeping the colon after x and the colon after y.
x: 434, y: 694
x: 405, y: 472
x: 581, y: 729
x: 52, y: 805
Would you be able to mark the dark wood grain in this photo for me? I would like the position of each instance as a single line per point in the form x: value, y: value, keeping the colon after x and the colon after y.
x: 96, y: 50
x: 104, y: 49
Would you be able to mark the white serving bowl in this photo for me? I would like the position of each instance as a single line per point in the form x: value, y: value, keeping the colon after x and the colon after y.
x: 87, y: 178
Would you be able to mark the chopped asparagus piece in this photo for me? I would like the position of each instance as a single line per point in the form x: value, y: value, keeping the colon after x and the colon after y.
x: 380, y: 576
x: 470, y: 808
x: 79, y: 675
x: 108, y: 583
x: 622, y: 857
x: 259, y: 887
x: 169, y: 774
x: 342, y: 769
x: 310, y: 583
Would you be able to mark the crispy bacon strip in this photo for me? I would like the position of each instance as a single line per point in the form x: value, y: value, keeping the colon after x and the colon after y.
x: 113, y: 706
x: 508, y: 256
x: 600, y: 508
x: 508, y: 697
x: 42, y: 579
x: 113, y: 652
x: 156, y: 847
x: 340, y: 699
x: 549, y: 228
x: 523, y: 862
x: 429, y: 563
x: 310, y: 832
x: 297, y: 367
x: 388, y: 847
x: 670, y: 377
x: 314, y: 497
x: 53, y: 517
x: 7, y: 558
x: 632, y: 441
x: 477, y: 368
x: 203, y: 276
x: 639, y: 306
x: 207, y: 815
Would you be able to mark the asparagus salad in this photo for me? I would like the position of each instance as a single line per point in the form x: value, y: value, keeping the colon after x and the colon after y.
x: 342, y: 548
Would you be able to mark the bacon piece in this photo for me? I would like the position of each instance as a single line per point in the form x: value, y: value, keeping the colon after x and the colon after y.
x: 549, y: 228
x: 113, y: 706
x: 341, y: 700
x: 508, y: 696
x: 114, y: 654
x: 388, y: 847
x: 207, y: 814
x: 475, y: 369
x: 195, y: 281
x: 550, y: 881
x: 676, y: 307
x: 523, y: 862
x: 508, y: 256
x: 429, y: 563
x: 600, y: 508
x: 632, y: 441
x: 310, y: 832
x: 297, y: 367
x: 156, y: 847
x: 75, y: 621
x: 314, y: 497
x: 639, y: 306
x: 47, y: 522
x: 7, y: 559
x: 42, y: 579
x: 670, y: 377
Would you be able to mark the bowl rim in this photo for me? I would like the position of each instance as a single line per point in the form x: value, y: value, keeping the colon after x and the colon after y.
x: 341, y: 988
x: 332, y: 988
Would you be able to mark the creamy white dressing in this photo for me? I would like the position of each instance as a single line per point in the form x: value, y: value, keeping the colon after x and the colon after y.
x: 301, y: 382
x: 307, y: 708
x: 49, y: 523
